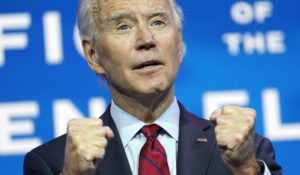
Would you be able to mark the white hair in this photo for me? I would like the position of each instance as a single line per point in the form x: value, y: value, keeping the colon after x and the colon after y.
x: 86, y: 21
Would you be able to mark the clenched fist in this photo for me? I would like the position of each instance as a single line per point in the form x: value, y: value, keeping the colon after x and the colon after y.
x: 85, y: 147
x: 235, y: 135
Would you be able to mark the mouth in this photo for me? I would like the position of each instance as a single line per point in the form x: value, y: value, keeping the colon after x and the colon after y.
x: 147, y: 64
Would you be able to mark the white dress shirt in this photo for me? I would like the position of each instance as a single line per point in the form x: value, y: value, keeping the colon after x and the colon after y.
x: 129, y: 126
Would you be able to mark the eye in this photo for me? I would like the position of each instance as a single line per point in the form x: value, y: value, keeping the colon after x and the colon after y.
x: 158, y: 23
x: 123, y: 27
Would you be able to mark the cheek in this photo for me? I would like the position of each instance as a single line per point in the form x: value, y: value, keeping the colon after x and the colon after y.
x: 173, y: 50
x: 110, y: 52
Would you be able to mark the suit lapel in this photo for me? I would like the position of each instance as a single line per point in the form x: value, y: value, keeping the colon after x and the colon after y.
x: 115, y: 161
x: 194, y: 152
x: 195, y: 146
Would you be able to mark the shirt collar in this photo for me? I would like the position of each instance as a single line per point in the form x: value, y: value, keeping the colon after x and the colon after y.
x: 128, y: 125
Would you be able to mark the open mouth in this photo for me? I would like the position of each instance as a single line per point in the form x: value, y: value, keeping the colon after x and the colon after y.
x: 148, y: 64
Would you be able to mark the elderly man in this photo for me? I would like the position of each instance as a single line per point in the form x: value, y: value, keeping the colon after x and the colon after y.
x: 137, y: 46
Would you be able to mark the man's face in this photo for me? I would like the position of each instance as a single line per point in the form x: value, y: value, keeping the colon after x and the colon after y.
x: 139, y: 47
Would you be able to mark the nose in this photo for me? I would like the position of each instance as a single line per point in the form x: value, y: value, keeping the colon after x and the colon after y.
x: 145, y: 39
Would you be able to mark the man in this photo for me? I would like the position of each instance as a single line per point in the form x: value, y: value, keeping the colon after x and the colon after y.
x: 137, y: 46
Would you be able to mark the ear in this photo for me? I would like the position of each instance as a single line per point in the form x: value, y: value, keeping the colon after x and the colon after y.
x: 180, y: 48
x: 92, y: 56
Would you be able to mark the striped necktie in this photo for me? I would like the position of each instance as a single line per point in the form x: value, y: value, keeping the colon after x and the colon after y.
x: 153, y: 157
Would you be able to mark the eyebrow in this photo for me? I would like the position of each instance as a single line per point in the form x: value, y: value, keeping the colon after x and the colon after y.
x: 159, y: 13
x: 120, y: 15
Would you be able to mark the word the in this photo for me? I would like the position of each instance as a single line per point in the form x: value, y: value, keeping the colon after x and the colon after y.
x: 271, y: 42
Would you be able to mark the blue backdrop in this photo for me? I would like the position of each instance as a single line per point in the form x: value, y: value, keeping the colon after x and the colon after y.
x: 237, y: 52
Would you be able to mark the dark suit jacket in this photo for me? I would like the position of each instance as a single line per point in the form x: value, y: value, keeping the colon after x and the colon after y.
x: 194, y: 157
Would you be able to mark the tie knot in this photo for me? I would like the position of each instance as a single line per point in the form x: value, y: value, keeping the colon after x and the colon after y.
x: 151, y: 130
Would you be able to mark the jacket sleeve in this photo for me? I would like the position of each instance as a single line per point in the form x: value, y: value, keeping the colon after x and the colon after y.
x: 34, y: 164
x: 265, y: 152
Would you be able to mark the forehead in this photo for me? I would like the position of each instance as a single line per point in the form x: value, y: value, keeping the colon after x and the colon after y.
x: 107, y: 8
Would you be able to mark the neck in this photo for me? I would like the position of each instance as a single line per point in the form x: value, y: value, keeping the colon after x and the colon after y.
x: 145, y: 108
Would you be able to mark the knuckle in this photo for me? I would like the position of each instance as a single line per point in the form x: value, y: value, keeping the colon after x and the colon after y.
x: 246, y: 129
x: 104, y: 142
x: 100, y: 131
x: 95, y: 122
x: 225, y: 109
x: 251, y: 120
x: 252, y: 111
x: 71, y: 125
x: 101, y: 142
x: 72, y: 128
x: 218, y: 138
x: 75, y: 139
x: 73, y: 121
x: 239, y: 138
x: 102, y: 153
x: 80, y: 149
x: 229, y: 107
x: 221, y: 120
x: 89, y: 157
x: 243, y: 128
x: 217, y: 129
x: 100, y: 121
x: 232, y: 146
x: 221, y: 143
x: 215, y: 112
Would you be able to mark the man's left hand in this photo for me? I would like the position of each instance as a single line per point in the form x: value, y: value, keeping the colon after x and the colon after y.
x: 235, y: 135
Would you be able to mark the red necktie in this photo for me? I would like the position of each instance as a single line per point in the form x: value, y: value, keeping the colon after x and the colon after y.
x: 153, y: 157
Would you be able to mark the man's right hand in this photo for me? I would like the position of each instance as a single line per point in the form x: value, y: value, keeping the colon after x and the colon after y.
x: 85, y: 147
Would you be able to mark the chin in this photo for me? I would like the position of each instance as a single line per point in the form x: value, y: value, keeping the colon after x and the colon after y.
x: 153, y: 87
x: 156, y: 90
